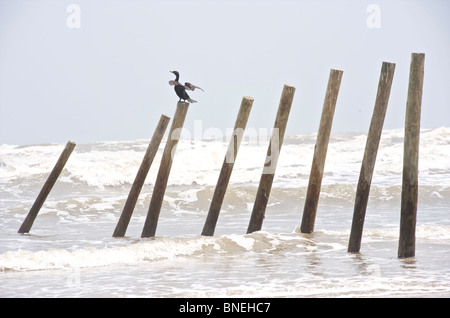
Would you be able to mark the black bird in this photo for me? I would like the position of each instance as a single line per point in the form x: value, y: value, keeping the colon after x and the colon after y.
x: 181, y: 89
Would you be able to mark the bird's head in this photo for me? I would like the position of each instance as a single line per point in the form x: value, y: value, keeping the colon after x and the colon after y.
x: 175, y: 72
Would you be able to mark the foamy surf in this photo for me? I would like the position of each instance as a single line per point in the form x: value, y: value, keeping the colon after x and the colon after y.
x: 93, y: 257
x: 70, y: 251
x: 116, y: 163
x: 148, y: 250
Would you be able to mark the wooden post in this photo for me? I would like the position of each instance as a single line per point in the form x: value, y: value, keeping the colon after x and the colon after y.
x: 320, y: 152
x: 370, y: 155
x: 48, y: 185
x: 227, y: 166
x: 407, y: 240
x: 276, y: 141
x: 159, y: 189
x: 152, y: 148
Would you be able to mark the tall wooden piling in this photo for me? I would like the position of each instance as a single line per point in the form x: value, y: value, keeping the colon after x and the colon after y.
x: 320, y: 152
x: 407, y: 240
x: 48, y: 185
x: 136, y: 188
x: 276, y: 141
x: 370, y: 154
x: 159, y: 189
x: 227, y: 166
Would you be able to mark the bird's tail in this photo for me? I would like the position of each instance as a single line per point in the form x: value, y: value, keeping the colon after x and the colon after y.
x: 190, y: 100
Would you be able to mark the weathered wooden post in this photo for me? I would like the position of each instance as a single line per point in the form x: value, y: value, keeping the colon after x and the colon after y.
x: 276, y: 141
x: 227, y: 166
x: 407, y: 240
x: 370, y: 155
x: 48, y: 185
x: 320, y: 152
x: 159, y: 189
x: 136, y: 188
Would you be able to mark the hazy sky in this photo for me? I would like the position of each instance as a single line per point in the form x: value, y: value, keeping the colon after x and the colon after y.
x: 99, y: 70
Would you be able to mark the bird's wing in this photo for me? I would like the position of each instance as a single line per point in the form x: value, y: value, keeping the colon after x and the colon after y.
x: 191, y: 87
x: 173, y: 83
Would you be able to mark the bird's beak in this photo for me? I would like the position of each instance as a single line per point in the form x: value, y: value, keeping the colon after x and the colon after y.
x: 171, y: 71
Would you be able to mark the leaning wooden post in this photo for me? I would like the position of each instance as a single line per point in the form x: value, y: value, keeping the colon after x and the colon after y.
x: 407, y: 240
x: 48, y: 185
x: 227, y: 166
x: 159, y: 189
x: 152, y: 148
x: 320, y: 152
x: 276, y: 141
x: 370, y: 155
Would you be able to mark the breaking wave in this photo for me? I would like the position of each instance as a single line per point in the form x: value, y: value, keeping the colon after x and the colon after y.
x: 199, y: 161
x: 155, y: 249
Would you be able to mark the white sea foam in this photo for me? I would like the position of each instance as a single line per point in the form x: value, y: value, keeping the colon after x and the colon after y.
x: 199, y: 161
x: 133, y: 253
x: 146, y: 251
x: 172, y: 248
x: 72, y: 233
x: 423, y: 232
x: 93, y: 257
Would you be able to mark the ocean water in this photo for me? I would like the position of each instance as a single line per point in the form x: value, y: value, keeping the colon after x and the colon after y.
x: 70, y: 251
